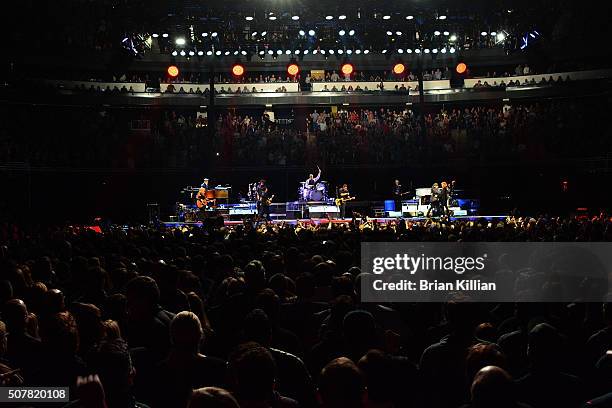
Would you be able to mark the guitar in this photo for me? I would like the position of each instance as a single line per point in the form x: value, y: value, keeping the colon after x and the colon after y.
x: 268, y: 201
x: 342, y: 200
x: 202, y: 201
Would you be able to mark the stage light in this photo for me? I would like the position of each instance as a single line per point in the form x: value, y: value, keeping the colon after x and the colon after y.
x: 442, y: 17
x: 400, y: 51
x: 314, y: 52
x: 347, y: 68
x: 306, y: 52
x: 435, y: 50
x: 263, y: 33
x: 501, y: 36
x: 302, y: 33
x: 296, y: 52
x: 174, y: 53
x: 352, y: 32
x: 484, y: 33
x: 214, y: 34
x: 436, y: 32
x: 426, y: 50
x: 236, y: 52
x: 293, y: 69
x: 204, y: 34
x: 243, y: 52
x: 461, y: 68
x: 262, y: 52
x: 399, y: 68
x: 279, y: 52
x: 417, y: 51
x: 227, y: 53
x: 270, y: 52
x: 180, y: 41
x: 191, y: 53
x: 311, y: 33
x: 209, y: 53
x: 249, y: 18
x: 389, y: 33
x: 341, y: 17
x: 409, y: 17
x: 446, y: 33
x: 357, y: 51
x: 384, y: 51
x: 452, y: 50
x: 173, y: 71
x: 340, y: 52
x: 366, y: 51
x: 341, y: 33
x: 165, y: 35
x: 288, y: 52
x: 217, y: 53
x: 331, y: 52
x: 398, y: 33
x: 155, y: 35
x: 254, y: 33
x: 322, y: 52
x: 295, y: 18
x: 272, y: 18
x: 237, y: 70
x: 329, y: 17
x: 386, y: 17
x: 183, y: 53
x: 443, y: 50
x: 409, y: 51
x: 453, y: 37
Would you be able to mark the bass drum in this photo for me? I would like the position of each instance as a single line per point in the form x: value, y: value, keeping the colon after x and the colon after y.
x: 315, y: 195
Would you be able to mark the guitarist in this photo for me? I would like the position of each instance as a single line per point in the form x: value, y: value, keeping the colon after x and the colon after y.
x: 343, y: 196
x: 397, y: 194
x: 264, y: 199
x: 201, y: 201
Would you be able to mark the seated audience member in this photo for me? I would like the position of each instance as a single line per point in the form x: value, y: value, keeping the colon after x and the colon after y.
x: 493, y: 387
x: 212, y: 397
x: 292, y: 377
x: 341, y: 385
x: 148, y: 324
x: 185, y: 368
x: 600, y: 342
x: 23, y: 350
x: 252, y: 373
x: 545, y: 384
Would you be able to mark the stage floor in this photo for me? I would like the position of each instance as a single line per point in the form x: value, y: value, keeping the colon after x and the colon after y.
x: 324, y: 221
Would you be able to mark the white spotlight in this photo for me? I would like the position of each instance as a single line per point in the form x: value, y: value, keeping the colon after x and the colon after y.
x: 311, y: 33
x: 400, y: 51
x: 288, y: 52
x: 272, y: 18
x: 442, y: 17
x: 452, y: 50
x: 386, y: 17
x: 183, y: 53
x: 296, y: 52
x: 436, y: 32
x: 263, y: 33
x: 417, y: 51
x: 214, y: 34
x: 236, y: 52
x: 357, y: 51
x: 352, y: 32
x: 191, y: 53
x: 174, y: 53
x: 366, y: 51
x: 204, y: 34
x: 332, y: 52
x: 443, y: 50
x: 384, y: 51
x: 349, y: 52
x: 493, y: 33
x: 453, y: 37
x: 341, y: 17
x: 426, y: 50
x: 446, y: 33
x: 389, y: 33
x: 435, y: 50
x: 227, y: 53
x: 322, y: 52
x: 254, y: 34
x: 501, y: 36
x: 341, y: 32
x: 484, y: 33
x: 329, y: 17
x: 398, y: 33
x: 305, y: 52
x: 409, y: 17
x: 409, y: 51
x: 209, y: 53
x: 340, y: 52
x: 155, y: 35
x: 180, y: 41
x: 165, y: 35
x: 243, y: 52
x: 218, y: 53
x: 279, y: 52
x: 249, y: 18
x: 302, y: 33
x: 262, y: 52
x: 295, y: 18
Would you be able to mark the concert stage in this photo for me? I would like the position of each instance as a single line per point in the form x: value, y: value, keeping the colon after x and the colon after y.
x: 325, y: 221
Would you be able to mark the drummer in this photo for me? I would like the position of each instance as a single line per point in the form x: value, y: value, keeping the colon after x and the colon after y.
x: 312, y: 180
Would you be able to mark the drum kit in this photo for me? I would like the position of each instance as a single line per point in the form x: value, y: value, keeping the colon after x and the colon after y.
x: 317, y: 193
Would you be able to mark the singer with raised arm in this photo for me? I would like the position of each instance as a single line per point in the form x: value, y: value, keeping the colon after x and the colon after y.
x: 312, y: 180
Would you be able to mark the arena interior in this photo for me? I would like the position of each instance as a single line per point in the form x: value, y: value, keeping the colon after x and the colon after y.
x: 190, y: 192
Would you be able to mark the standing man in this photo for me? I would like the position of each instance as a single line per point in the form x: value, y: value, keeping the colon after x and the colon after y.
x: 310, y: 184
x: 343, y: 196
x: 434, y: 203
x: 397, y: 194
x: 264, y: 199
x: 444, y: 197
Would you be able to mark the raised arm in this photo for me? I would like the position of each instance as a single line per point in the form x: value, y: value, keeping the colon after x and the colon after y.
x: 318, y: 175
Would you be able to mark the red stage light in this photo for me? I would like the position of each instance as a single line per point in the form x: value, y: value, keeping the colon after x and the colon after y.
x: 293, y: 69
x: 399, y: 68
x: 238, y: 70
x: 461, y: 68
x: 347, y: 69
x: 173, y: 71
